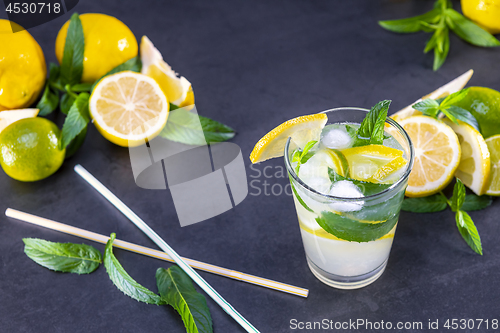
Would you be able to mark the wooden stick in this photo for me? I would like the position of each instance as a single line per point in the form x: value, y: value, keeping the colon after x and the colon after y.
x: 263, y: 282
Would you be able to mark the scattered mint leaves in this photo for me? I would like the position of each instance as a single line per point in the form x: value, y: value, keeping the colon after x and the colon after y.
x: 176, y: 289
x: 439, y: 21
x: 77, y: 119
x: 371, y: 130
x: 468, y: 231
x: 76, y: 143
x: 191, y: 129
x: 48, y: 102
x: 123, y: 281
x: 458, y: 198
x: 63, y: 257
x: 474, y: 202
x: 433, y: 108
x: 72, y: 62
x: 430, y: 204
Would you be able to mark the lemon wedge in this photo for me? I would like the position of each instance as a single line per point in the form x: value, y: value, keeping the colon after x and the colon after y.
x: 11, y: 116
x: 365, y: 161
x: 390, y: 172
x: 177, y: 89
x: 128, y: 108
x: 301, y: 130
x: 493, y: 185
x: 474, y: 167
x: 437, y: 155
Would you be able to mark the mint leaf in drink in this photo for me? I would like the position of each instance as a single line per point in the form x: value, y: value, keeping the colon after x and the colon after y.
x: 123, y: 281
x: 63, y: 257
x: 72, y: 62
x: 458, y: 198
x: 48, y: 102
x: 134, y: 65
x: 176, y: 289
x: 354, y: 231
x: 468, y: 231
x: 412, y: 24
x: 77, y: 119
x: 351, y: 131
x: 468, y: 30
x: 428, y: 107
x: 299, y: 199
x: 474, y: 202
x: 371, y: 130
x: 430, y: 204
x: 302, y: 156
x: 184, y: 127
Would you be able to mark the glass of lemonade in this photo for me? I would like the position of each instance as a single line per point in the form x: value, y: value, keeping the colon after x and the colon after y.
x: 348, y: 198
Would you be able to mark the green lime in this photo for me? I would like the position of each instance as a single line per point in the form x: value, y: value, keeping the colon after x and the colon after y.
x: 29, y: 149
x: 484, y: 104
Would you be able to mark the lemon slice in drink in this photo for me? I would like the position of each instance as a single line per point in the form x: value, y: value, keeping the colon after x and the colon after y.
x: 365, y: 161
x: 474, y: 167
x: 177, y: 89
x: 301, y: 130
x: 493, y: 185
x: 390, y: 172
x: 315, y: 171
x: 437, y: 155
x: 128, y: 108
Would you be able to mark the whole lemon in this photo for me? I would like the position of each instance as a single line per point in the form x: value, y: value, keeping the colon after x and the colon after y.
x: 29, y: 149
x: 485, y: 13
x: 22, y: 67
x: 108, y: 43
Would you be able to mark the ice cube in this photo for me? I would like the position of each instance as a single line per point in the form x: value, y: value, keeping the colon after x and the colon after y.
x: 337, y: 138
x: 320, y: 184
x: 346, y: 189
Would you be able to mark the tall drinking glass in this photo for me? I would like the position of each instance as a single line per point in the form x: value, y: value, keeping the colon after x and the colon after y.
x: 347, y: 239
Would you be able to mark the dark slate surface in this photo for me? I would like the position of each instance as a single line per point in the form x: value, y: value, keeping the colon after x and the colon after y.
x: 253, y: 65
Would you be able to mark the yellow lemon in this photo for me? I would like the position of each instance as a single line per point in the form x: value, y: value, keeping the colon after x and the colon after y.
x: 22, y: 67
x: 301, y: 130
x: 493, y: 186
x: 437, y: 155
x: 474, y: 167
x: 486, y: 13
x: 108, y: 43
x: 128, y: 108
x: 177, y: 89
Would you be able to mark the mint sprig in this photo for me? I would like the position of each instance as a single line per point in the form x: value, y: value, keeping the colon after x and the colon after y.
x: 301, y: 156
x: 439, y: 21
x: 433, y: 108
x: 371, y: 130
x: 459, y: 203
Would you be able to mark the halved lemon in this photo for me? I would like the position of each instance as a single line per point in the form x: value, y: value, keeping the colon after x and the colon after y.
x: 177, y: 89
x: 493, y: 186
x: 437, y: 155
x: 301, y: 130
x: 474, y: 167
x: 11, y: 116
x: 365, y: 161
x: 128, y: 108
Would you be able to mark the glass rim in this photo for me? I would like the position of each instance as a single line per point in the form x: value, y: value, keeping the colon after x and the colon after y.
x: 406, y: 174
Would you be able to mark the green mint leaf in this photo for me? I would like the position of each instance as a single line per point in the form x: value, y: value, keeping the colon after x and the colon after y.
x: 63, y: 257
x: 351, y: 131
x: 306, y: 149
x: 72, y: 62
x: 184, y: 127
x: 450, y: 115
x: 54, y: 72
x: 299, y: 199
x: 441, y: 50
x: 306, y: 157
x: 366, y: 188
x: 432, y: 42
x: 77, y: 119
x: 66, y: 102
x: 371, y: 130
x: 134, y: 65
x: 428, y: 107
x: 468, y: 231
x: 48, y: 102
x: 296, y: 155
x: 76, y: 143
x: 458, y: 198
x: 463, y: 115
x: 469, y: 31
x: 454, y: 98
x: 123, y: 281
x: 411, y: 24
x: 177, y: 290
x: 81, y: 87
x: 474, y: 202
x: 354, y: 231
x: 430, y: 204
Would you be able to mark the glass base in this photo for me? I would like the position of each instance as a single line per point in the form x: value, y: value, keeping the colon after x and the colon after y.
x: 346, y: 282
